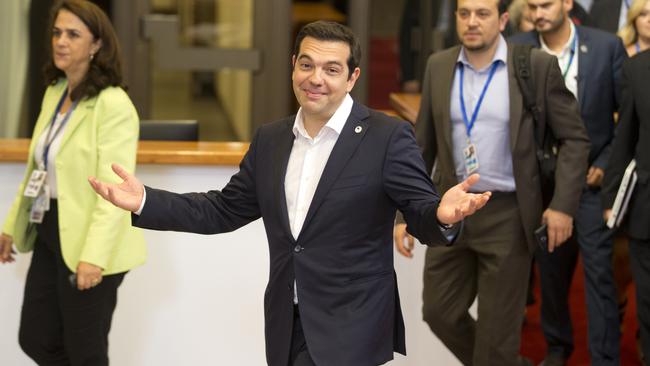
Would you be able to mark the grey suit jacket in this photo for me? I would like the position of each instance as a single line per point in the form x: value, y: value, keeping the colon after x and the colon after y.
x: 559, y: 109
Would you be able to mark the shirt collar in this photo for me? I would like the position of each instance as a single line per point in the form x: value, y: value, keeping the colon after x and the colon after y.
x: 335, y: 123
x: 567, y: 46
x: 500, y: 55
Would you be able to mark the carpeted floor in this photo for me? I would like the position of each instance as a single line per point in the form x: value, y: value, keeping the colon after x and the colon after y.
x: 533, y: 345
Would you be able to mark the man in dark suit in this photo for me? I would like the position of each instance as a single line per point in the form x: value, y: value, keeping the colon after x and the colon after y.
x: 609, y: 15
x: 327, y: 183
x: 481, y: 126
x: 590, y: 61
x: 632, y: 141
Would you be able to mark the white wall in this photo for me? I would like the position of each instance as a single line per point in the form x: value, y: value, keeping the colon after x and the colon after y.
x: 198, y: 300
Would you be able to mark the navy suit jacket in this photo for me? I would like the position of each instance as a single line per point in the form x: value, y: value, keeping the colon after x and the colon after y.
x: 342, y: 260
x: 600, y: 59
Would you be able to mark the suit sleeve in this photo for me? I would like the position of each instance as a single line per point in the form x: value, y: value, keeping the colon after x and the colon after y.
x: 618, y: 56
x: 409, y: 186
x: 573, y: 142
x: 211, y: 212
x: 625, y: 141
x: 424, y: 129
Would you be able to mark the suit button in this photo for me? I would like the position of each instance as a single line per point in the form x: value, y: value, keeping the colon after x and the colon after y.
x: 297, y: 248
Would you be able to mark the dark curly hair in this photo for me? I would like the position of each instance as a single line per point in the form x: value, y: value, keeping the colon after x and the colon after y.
x: 331, y: 31
x: 106, y: 66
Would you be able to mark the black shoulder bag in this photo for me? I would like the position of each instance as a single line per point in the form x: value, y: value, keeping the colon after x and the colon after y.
x: 546, y: 143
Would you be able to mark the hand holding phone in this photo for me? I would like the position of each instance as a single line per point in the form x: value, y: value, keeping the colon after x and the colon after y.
x: 541, y: 237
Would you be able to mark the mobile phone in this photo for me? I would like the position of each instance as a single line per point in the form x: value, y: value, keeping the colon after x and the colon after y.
x: 541, y: 237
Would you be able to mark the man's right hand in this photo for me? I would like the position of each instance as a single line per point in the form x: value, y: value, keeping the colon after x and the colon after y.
x: 127, y: 195
x: 403, y: 241
x: 560, y: 227
x: 6, y: 254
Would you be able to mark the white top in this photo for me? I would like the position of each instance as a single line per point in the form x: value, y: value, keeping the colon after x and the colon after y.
x: 50, y: 180
x: 564, y: 57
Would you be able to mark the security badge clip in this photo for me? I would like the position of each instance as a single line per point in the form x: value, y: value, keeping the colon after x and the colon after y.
x: 37, y: 189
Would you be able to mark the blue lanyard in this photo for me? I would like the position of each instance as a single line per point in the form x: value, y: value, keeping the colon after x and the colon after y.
x: 637, y: 46
x: 573, y: 53
x: 470, y: 124
x: 50, y: 138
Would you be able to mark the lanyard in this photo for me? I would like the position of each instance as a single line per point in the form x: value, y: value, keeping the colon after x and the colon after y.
x: 627, y: 4
x: 573, y: 53
x: 470, y: 124
x: 50, y: 138
x: 637, y: 46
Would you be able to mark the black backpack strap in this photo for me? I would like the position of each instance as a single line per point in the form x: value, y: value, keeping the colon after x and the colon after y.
x: 521, y: 56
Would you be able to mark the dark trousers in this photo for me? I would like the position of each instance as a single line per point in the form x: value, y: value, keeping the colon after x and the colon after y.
x: 640, y: 259
x: 490, y: 260
x: 59, y: 324
x: 299, y: 355
x: 556, y: 269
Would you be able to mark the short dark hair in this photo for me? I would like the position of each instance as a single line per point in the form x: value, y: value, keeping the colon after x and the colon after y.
x: 106, y: 65
x: 331, y: 31
x: 503, y: 6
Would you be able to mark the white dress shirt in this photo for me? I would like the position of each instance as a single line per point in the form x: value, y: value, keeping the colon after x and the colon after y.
x: 306, y: 164
x: 564, y: 57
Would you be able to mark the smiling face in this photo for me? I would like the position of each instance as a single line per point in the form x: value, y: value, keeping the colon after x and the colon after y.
x: 479, y: 24
x: 321, y: 77
x: 72, y: 44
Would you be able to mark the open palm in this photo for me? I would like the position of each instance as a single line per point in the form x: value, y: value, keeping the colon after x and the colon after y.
x: 127, y: 195
x: 457, y: 202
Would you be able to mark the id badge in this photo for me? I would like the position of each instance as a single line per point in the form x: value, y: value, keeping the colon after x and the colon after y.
x: 35, y: 183
x: 471, y: 159
x: 40, y: 206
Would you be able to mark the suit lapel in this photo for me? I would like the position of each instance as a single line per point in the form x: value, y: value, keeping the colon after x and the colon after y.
x: 585, y: 61
x: 284, y: 144
x: 353, y: 132
x: 516, y: 100
x: 444, y: 95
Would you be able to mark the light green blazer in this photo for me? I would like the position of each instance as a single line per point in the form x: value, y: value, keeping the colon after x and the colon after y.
x: 101, y: 131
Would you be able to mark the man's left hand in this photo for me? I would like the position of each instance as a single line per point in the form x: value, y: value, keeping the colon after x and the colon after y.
x: 595, y: 176
x: 457, y: 203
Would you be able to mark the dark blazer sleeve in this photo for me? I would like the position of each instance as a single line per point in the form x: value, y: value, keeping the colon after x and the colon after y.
x: 564, y: 119
x: 211, y: 212
x: 409, y: 186
x: 625, y: 141
x: 618, y: 56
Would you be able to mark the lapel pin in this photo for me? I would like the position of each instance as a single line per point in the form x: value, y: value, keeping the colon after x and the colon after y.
x: 358, y: 129
x: 583, y: 48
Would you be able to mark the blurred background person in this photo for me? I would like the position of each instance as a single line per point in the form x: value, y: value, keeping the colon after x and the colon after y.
x: 631, y: 142
x: 519, y: 17
x: 609, y: 15
x: 636, y: 31
x: 82, y: 246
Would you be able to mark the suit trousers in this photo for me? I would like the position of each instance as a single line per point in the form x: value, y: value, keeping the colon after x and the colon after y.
x: 640, y: 259
x: 299, y: 355
x: 490, y: 260
x: 556, y: 269
x: 59, y: 324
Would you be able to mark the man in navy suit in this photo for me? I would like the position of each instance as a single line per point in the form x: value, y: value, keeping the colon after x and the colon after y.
x: 590, y: 61
x: 327, y: 183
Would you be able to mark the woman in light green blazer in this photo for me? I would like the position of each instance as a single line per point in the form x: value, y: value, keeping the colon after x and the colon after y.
x: 82, y: 246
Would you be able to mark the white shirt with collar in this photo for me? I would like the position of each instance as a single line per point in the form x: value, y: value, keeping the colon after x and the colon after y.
x: 564, y: 57
x: 306, y: 164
